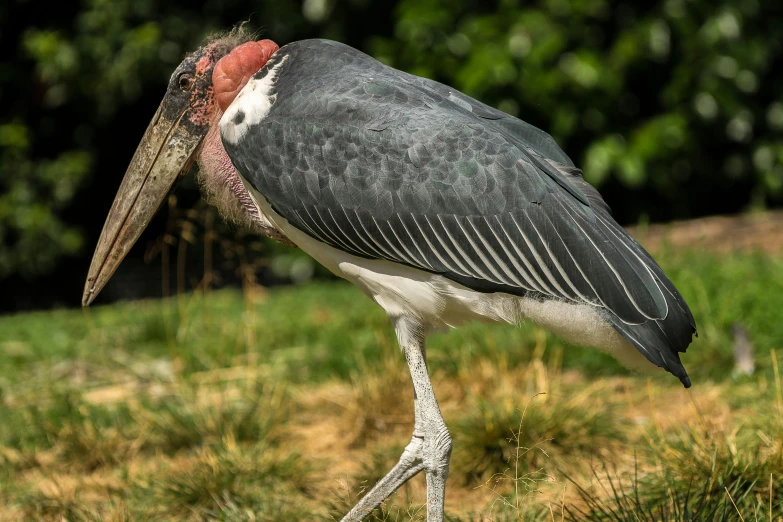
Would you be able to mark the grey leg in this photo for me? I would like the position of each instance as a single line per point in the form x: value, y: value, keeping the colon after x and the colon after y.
x: 430, y: 447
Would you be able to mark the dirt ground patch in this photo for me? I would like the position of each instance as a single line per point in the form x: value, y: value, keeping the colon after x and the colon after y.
x: 757, y: 232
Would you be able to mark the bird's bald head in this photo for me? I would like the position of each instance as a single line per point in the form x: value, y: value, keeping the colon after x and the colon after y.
x: 171, y: 144
x: 211, y: 77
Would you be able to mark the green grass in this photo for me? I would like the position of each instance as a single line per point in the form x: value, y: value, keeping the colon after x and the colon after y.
x: 319, y: 331
x: 213, y: 407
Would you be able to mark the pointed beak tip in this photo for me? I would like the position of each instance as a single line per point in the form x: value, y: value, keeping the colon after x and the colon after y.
x: 89, y: 294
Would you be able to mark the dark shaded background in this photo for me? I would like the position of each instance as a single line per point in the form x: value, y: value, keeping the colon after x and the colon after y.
x: 673, y: 108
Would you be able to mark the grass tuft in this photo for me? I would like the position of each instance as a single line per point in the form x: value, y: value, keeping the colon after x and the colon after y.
x: 197, y: 415
x: 381, y: 398
x: 71, y: 432
x: 667, y: 497
x: 232, y: 482
x: 554, y: 430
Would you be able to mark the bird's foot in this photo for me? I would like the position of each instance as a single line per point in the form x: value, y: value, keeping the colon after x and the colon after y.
x: 429, y: 451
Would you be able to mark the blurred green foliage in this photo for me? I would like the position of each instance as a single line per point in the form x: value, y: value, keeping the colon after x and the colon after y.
x: 91, y: 64
x: 32, y: 194
x: 650, y: 94
x: 674, y: 107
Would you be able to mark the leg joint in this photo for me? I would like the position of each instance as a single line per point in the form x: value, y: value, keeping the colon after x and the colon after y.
x: 437, y: 448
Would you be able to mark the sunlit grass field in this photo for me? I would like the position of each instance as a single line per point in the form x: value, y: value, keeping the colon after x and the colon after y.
x: 286, y: 404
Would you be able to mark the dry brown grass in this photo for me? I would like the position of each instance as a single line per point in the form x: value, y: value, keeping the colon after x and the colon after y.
x: 514, y: 445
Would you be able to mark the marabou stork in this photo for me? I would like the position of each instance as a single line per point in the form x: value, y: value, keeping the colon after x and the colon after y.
x: 443, y: 210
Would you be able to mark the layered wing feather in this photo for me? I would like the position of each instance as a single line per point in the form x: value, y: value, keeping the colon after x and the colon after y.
x: 386, y: 165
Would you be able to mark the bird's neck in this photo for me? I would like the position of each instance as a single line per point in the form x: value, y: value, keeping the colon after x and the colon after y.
x: 222, y: 187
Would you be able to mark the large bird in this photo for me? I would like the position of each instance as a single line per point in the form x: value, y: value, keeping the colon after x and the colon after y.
x: 443, y: 210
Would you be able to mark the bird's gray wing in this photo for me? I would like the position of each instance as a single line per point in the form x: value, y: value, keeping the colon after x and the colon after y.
x: 385, y: 165
x: 528, y: 135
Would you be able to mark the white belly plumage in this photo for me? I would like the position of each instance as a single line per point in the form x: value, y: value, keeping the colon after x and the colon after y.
x: 437, y: 302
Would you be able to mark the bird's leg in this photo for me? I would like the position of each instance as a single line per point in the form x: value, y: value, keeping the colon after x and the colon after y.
x: 436, y: 449
x: 430, y: 447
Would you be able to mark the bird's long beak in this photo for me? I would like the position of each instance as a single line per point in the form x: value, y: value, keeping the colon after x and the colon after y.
x: 168, y: 147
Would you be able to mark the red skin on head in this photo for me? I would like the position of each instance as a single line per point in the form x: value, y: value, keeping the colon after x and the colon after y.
x: 234, y: 70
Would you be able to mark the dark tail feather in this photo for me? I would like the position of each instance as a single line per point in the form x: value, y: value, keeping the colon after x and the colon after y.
x: 662, y: 340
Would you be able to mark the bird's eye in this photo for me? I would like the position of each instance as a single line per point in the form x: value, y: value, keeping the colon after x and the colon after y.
x: 185, y: 81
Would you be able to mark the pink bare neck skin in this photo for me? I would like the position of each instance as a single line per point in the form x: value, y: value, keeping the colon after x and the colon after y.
x: 221, y: 186
x: 219, y: 180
